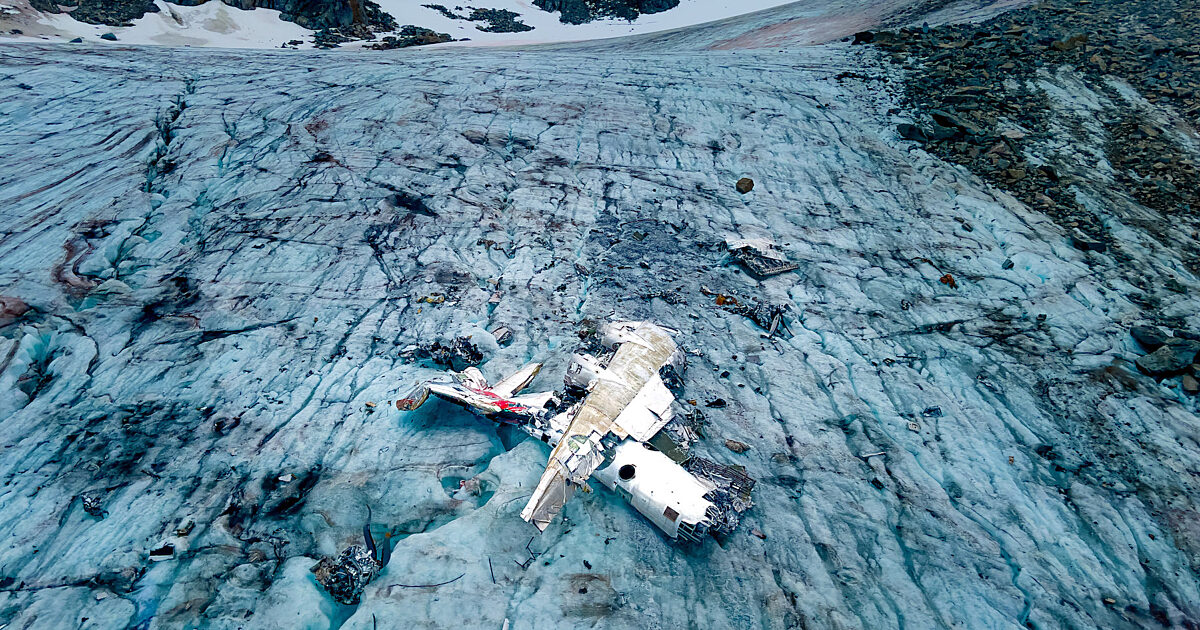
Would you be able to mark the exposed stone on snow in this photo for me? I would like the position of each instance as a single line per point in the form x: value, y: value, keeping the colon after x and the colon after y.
x: 736, y: 446
x: 1150, y: 337
x: 1174, y: 357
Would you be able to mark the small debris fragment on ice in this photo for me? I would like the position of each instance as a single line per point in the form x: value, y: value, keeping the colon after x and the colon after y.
x: 759, y: 256
x: 345, y: 576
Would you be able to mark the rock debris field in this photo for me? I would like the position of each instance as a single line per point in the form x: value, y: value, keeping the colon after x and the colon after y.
x: 218, y: 269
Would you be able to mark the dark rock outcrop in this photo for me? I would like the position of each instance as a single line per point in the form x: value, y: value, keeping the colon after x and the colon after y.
x: 909, y: 131
x: 109, y: 12
x: 410, y: 35
x: 498, y: 20
x: 1150, y: 337
x: 583, y: 11
x: 11, y: 308
x: 1083, y: 242
x: 314, y: 14
x: 1174, y: 357
x: 972, y: 80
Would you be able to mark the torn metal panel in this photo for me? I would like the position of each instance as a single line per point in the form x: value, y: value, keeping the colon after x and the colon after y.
x: 414, y: 398
x: 730, y: 495
x: 583, y: 371
x: 551, y: 494
x: 648, y: 412
x: 663, y: 443
x: 503, y: 335
x: 759, y: 257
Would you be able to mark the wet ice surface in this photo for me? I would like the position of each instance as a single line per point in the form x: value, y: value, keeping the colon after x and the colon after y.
x: 206, y: 333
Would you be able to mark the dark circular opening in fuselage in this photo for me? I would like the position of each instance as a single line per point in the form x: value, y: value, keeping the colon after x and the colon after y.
x: 626, y: 472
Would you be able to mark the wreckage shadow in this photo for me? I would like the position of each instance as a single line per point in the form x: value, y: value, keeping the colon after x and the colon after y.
x: 510, y: 436
x: 441, y: 415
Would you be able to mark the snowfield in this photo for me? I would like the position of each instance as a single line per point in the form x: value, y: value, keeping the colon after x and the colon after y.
x: 214, y: 24
x: 548, y: 29
x: 210, y: 289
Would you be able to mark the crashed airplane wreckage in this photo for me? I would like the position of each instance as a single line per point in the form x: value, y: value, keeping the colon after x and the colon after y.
x: 759, y: 256
x: 618, y: 427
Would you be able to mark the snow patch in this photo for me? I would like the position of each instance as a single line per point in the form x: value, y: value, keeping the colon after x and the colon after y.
x: 212, y: 24
x: 548, y: 29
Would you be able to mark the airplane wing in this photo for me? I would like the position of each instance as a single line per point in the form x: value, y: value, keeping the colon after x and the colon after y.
x: 454, y: 392
x: 628, y: 399
x: 471, y: 390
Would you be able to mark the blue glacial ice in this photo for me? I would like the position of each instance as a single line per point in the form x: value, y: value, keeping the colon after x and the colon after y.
x: 215, y: 270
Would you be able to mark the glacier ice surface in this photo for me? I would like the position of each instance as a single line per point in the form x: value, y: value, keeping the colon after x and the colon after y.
x: 219, y: 283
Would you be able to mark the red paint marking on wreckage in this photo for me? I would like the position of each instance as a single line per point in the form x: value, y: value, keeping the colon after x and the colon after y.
x: 503, y: 403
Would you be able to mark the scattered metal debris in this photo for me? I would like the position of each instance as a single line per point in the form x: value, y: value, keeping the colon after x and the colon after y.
x: 768, y: 316
x: 457, y: 354
x: 612, y: 425
x: 730, y: 496
x: 532, y: 555
x: 91, y: 505
x: 671, y: 377
x: 503, y: 335
x: 346, y: 576
x: 680, y: 433
x: 670, y: 297
x: 760, y: 257
x: 165, y: 552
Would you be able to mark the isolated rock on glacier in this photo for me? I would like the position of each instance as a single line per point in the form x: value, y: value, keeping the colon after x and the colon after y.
x: 226, y: 279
